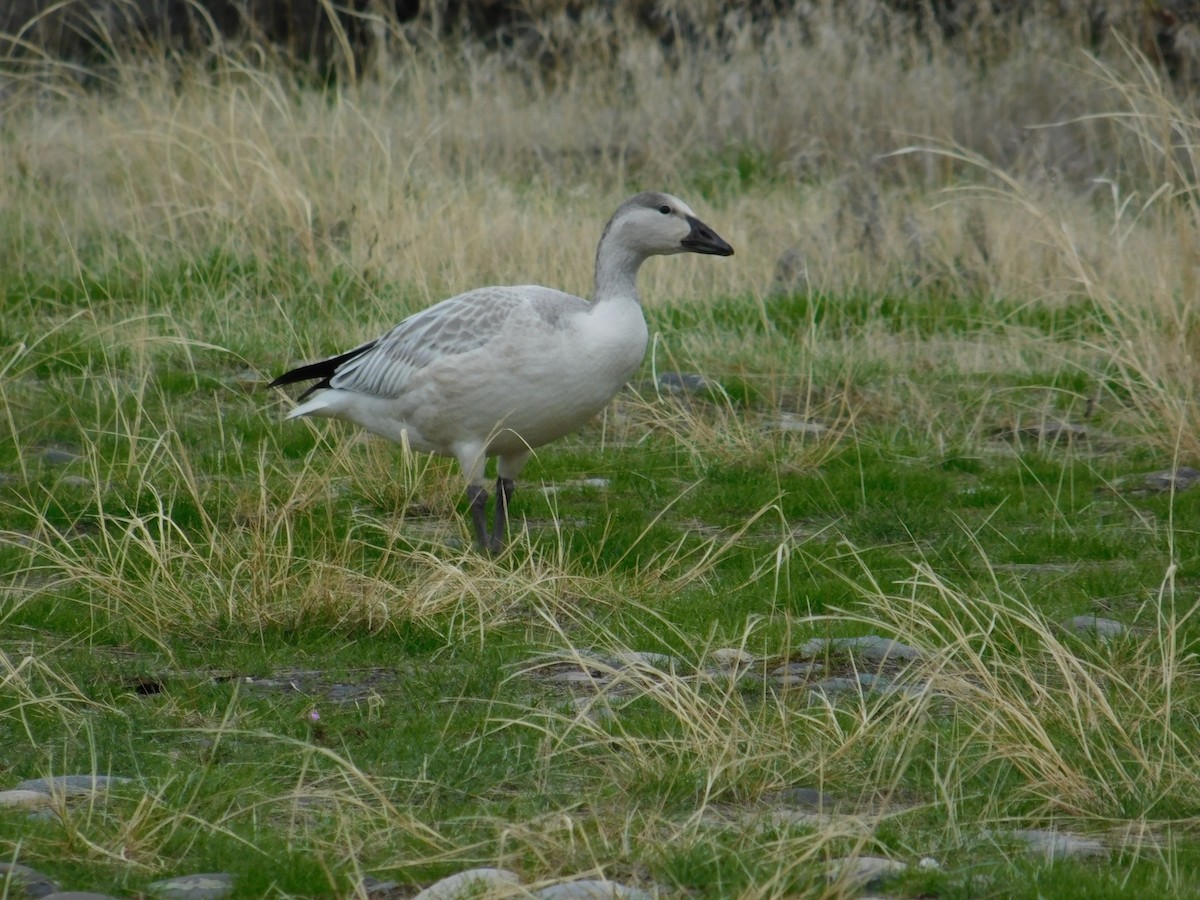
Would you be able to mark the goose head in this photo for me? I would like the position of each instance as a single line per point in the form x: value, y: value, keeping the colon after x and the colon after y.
x: 657, y: 224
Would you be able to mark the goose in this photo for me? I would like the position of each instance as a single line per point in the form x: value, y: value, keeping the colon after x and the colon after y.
x: 501, y: 371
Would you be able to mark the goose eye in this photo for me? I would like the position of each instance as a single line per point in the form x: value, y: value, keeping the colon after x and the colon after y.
x: 665, y: 210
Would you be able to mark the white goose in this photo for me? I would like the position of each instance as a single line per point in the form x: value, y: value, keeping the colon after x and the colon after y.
x: 499, y: 371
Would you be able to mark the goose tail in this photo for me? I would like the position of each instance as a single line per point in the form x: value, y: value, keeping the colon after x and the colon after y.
x: 323, y: 371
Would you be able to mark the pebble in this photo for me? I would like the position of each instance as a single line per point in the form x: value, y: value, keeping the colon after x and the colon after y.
x: 31, y: 882
x: 72, y: 784
x: 469, y: 883
x: 1094, y: 626
x: 591, y: 889
x: 683, y: 383
x: 864, y: 871
x: 201, y: 886
x: 1059, y: 844
x: 25, y: 798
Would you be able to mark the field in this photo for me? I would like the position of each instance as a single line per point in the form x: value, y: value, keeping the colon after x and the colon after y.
x: 948, y: 397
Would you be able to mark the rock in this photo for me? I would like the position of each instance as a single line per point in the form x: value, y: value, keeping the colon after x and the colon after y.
x: 25, y: 798
x: 248, y: 381
x: 795, y: 673
x: 929, y: 864
x: 732, y: 658
x: 875, y: 647
x: 371, y: 885
x: 595, y: 484
x: 636, y: 658
x: 832, y: 686
x: 59, y: 456
x: 864, y: 871
x: 683, y: 383
x: 1059, y: 844
x: 1094, y: 626
x: 813, y: 647
x: 576, y: 676
x: 72, y: 785
x: 805, y: 797
x: 469, y: 883
x: 1171, y: 479
x: 78, y: 895
x: 591, y: 889
x: 31, y: 882
x: 1051, y: 431
x: 789, y: 423
x: 201, y: 886
x: 76, y: 481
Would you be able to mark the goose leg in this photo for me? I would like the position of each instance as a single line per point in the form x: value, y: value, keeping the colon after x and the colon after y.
x: 504, y: 492
x: 478, y: 496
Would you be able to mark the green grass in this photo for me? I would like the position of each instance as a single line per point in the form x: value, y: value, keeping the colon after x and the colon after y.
x: 278, y: 631
x: 213, y: 547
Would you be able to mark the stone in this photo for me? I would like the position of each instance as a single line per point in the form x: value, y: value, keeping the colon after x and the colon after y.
x: 1179, y: 479
x: 31, y: 882
x: 591, y: 889
x: 57, y: 456
x: 27, y: 799
x: 797, y: 670
x: 469, y: 883
x: 248, y: 381
x: 805, y: 797
x: 732, y: 658
x: 864, y: 871
x: 201, y: 886
x: 1094, y: 626
x: 72, y: 785
x: 875, y: 647
x: 1059, y: 844
x: 813, y: 647
x: 793, y: 424
x: 372, y: 885
x: 1050, y: 431
x: 638, y: 658
x: 78, y: 895
x: 577, y: 676
x: 683, y: 383
x: 76, y: 481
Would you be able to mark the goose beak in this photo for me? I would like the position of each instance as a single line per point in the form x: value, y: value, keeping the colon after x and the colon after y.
x: 702, y: 239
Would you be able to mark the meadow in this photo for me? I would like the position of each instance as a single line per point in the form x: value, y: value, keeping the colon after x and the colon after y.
x: 949, y: 399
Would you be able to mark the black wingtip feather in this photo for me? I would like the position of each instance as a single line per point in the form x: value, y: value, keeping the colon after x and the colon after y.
x: 324, y: 370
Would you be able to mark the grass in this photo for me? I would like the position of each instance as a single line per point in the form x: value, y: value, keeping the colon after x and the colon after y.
x: 278, y: 632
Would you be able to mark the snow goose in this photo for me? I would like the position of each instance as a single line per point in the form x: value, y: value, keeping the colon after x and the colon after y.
x: 499, y: 371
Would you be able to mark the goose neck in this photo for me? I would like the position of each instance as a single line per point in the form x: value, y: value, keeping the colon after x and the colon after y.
x: 616, y: 272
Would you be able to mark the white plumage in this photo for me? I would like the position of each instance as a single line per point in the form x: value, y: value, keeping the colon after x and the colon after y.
x: 499, y: 371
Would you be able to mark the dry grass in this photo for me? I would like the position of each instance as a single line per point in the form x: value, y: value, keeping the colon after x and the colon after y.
x: 837, y: 169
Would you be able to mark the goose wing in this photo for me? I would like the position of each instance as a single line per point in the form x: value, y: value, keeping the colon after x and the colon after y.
x: 452, y: 327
